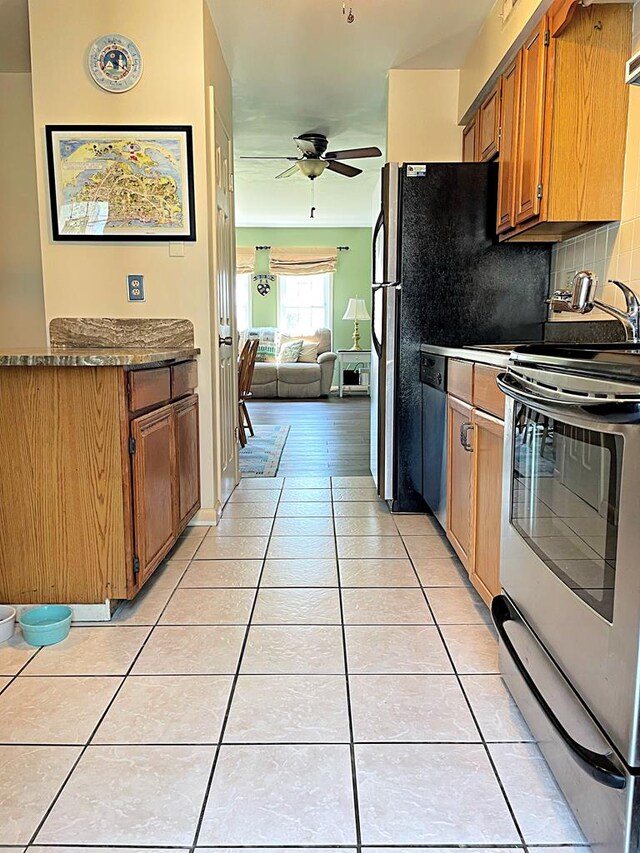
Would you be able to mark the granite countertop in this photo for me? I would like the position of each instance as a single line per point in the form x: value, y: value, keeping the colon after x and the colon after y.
x: 96, y: 357
x: 492, y: 357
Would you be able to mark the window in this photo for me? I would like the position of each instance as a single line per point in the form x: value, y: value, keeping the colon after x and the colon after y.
x: 304, y: 303
x: 243, y: 301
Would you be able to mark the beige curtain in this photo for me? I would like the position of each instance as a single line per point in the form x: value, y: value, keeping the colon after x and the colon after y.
x: 302, y: 261
x: 245, y: 260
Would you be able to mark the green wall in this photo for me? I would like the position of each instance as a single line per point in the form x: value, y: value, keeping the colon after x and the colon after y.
x: 352, y: 277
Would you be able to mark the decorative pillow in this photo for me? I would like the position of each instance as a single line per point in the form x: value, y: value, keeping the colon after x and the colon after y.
x: 289, y: 352
x: 308, y: 353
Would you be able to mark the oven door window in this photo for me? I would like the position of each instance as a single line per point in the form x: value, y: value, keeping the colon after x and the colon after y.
x: 564, y: 502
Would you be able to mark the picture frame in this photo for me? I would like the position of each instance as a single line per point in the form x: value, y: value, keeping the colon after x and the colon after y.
x: 120, y: 183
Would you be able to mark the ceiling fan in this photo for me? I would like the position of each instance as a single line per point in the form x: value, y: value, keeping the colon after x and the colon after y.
x: 315, y: 158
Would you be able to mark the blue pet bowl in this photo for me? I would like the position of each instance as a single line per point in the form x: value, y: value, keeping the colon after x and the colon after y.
x: 47, y: 625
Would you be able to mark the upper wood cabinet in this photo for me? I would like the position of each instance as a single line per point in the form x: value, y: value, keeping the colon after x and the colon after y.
x: 509, y: 107
x: 564, y: 103
x: 488, y: 125
x: 469, y: 141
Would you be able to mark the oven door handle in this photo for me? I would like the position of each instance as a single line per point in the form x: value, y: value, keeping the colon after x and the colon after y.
x: 510, y: 386
x: 599, y: 767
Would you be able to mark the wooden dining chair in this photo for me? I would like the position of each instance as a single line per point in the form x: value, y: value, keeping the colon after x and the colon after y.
x: 246, y: 365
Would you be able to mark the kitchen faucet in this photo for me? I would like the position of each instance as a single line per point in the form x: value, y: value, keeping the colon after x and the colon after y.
x: 581, y: 300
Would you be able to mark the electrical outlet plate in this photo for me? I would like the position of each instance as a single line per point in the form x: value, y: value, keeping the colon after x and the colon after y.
x: 135, y: 288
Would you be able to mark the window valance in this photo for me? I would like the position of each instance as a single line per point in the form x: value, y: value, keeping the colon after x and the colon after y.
x: 297, y: 261
x: 245, y: 260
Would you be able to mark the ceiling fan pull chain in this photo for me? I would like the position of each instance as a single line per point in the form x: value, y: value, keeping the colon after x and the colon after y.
x: 312, y: 215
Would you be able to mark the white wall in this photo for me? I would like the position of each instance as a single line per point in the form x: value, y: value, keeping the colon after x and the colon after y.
x: 22, y: 320
x: 89, y: 279
x: 422, y: 116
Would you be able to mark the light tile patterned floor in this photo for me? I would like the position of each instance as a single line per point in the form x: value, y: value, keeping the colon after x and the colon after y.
x: 314, y: 672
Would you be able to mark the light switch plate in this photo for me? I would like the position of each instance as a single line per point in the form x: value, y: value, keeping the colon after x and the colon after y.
x: 135, y: 288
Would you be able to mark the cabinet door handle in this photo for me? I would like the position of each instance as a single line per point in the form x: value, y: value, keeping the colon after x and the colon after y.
x: 464, y: 437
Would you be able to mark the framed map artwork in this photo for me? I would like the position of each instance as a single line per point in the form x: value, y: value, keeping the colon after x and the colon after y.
x: 121, y: 183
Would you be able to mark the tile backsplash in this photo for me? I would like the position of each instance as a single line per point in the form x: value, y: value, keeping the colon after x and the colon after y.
x: 613, y: 250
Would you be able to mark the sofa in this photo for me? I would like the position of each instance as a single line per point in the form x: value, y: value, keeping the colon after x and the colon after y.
x: 299, y: 380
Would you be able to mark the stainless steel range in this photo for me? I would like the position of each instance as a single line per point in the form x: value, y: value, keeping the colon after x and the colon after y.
x: 569, y: 618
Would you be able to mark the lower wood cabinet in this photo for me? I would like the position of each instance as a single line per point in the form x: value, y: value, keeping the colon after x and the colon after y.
x: 488, y: 440
x: 460, y: 478
x: 474, y: 491
x: 187, y: 443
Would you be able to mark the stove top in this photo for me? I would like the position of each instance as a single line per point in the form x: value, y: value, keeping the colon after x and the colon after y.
x: 608, y: 361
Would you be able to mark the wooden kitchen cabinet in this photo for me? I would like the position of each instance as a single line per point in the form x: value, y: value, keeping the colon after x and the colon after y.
x: 153, y: 488
x: 102, y: 476
x: 564, y: 105
x: 488, y: 440
x: 460, y: 478
x: 489, y: 125
x: 469, y: 142
x: 187, y: 460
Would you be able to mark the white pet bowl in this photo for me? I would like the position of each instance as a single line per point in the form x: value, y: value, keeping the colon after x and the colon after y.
x: 7, y: 622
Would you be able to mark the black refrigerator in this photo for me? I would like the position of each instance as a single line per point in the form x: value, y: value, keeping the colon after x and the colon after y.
x: 440, y: 276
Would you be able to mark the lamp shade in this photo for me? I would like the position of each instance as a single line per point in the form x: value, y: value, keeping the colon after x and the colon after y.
x: 356, y: 310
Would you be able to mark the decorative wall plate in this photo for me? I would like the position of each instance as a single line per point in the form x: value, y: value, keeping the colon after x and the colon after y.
x: 115, y: 63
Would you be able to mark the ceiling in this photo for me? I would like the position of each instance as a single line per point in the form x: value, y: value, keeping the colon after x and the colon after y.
x: 297, y: 67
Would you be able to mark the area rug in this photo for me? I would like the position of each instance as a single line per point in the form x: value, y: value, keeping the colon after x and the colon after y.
x: 261, y: 456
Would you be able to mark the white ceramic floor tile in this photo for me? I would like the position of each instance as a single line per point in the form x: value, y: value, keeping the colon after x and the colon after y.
x: 418, y: 525
x: 299, y: 547
x: 355, y: 482
x: 385, y: 607
x: 377, y: 525
x: 90, y: 651
x: 61, y: 849
x: 209, y: 607
x: 458, y: 606
x: 297, y: 607
x: 14, y: 654
x: 420, y: 547
x: 370, y: 547
x: 356, y: 494
x: 539, y: 807
x: 293, y: 649
x: 360, y: 509
x: 303, y: 527
x: 313, y: 572
x: 496, y: 712
x: 251, y: 509
x: 241, y: 527
x: 191, y: 650
x: 184, y: 549
x: 430, y: 794
x: 169, y: 573
x: 30, y: 779
x: 305, y: 495
x: 243, y: 496
x: 146, y: 608
x: 307, y: 483
x: 420, y: 708
x: 396, y: 649
x: 377, y: 573
x: 473, y: 648
x: 131, y: 795
x: 4, y: 680
x: 464, y: 849
x: 288, y: 709
x: 222, y: 573
x: 232, y: 548
x: 165, y: 709
x: 260, y: 483
x: 441, y: 571
x: 305, y: 509
x: 289, y: 795
x: 52, y: 710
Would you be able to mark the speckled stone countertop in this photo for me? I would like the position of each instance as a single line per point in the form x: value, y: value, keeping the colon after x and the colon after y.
x: 98, y: 357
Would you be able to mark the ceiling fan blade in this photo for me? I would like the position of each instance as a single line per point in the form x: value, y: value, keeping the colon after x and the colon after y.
x: 343, y: 169
x: 353, y: 153
x: 248, y: 157
x: 305, y: 145
x: 288, y: 172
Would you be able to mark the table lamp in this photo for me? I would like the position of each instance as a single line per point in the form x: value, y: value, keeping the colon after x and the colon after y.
x: 356, y: 310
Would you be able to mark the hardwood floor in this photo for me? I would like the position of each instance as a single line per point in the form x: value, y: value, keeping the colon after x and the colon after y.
x: 327, y: 437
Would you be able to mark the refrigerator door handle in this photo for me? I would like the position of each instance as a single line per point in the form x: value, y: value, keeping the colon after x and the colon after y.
x: 376, y: 343
x: 600, y: 767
